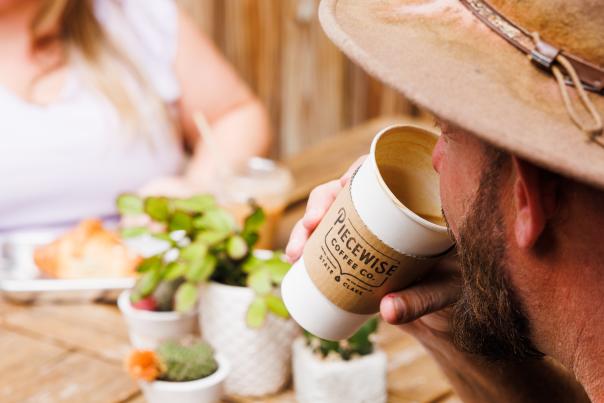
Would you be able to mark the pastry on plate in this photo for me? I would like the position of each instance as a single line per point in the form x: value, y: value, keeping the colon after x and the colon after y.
x: 88, y: 250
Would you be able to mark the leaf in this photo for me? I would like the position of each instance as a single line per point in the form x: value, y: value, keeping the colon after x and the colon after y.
x: 200, y: 271
x: 133, y: 232
x: 175, y: 270
x: 256, y: 313
x: 194, y: 251
x: 254, y: 221
x: 129, y: 204
x: 260, y: 281
x: 150, y: 263
x: 147, y: 282
x: 251, y: 238
x: 180, y: 221
x: 251, y: 264
x: 215, y: 219
x: 186, y: 297
x: 277, y: 268
x: 236, y: 247
x: 195, y: 204
x: 212, y: 237
x: 275, y: 305
x: 360, y: 342
x: 162, y: 237
x: 157, y: 208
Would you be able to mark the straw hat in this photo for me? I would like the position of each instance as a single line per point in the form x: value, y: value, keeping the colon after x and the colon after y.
x: 466, y: 60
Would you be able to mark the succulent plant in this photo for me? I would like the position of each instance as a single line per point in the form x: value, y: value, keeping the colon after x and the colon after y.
x: 358, y: 345
x: 203, y: 244
x: 181, y: 362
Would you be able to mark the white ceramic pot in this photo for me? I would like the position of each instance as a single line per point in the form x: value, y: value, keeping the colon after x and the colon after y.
x: 147, y: 328
x: 360, y: 380
x: 260, y: 358
x: 205, y: 390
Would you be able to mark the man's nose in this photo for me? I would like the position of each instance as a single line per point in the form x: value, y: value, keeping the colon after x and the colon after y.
x: 437, y: 154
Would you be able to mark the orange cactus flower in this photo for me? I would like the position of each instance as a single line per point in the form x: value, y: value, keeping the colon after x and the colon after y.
x: 143, y: 365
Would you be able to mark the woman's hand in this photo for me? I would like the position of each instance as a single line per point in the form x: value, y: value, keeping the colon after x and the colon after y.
x: 435, y: 292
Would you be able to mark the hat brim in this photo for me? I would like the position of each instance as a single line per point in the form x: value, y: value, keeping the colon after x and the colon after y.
x: 440, y: 56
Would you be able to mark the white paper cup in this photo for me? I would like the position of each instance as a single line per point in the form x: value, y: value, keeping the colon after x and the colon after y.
x: 383, y: 232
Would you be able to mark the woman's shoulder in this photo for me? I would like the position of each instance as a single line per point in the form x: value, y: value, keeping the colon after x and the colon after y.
x: 147, y: 30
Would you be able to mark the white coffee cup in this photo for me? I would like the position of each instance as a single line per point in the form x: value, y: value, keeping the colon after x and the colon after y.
x: 383, y: 232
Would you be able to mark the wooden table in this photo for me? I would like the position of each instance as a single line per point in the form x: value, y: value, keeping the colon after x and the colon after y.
x: 75, y: 352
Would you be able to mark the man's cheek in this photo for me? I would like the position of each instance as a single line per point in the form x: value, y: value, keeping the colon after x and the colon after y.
x: 449, y: 211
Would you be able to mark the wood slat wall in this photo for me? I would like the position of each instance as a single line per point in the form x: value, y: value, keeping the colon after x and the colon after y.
x: 311, y: 89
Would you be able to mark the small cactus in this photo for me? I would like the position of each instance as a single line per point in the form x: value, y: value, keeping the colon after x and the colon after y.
x: 183, y: 363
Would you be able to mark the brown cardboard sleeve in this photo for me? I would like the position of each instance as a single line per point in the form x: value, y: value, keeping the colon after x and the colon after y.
x: 351, y: 266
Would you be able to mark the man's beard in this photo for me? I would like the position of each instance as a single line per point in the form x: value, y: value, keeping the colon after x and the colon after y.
x: 488, y: 319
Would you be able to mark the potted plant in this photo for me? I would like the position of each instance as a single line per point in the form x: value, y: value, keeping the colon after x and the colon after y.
x: 197, y: 236
x: 351, y: 370
x: 243, y: 316
x: 184, y: 372
x: 241, y: 312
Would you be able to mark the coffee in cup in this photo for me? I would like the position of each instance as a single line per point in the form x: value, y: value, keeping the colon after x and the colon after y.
x: 383, y: 232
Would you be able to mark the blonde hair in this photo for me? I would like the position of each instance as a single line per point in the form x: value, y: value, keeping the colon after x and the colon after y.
x: 74, y: 25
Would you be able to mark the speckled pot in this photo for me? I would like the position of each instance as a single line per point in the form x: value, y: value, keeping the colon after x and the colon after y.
x: 260, y: 358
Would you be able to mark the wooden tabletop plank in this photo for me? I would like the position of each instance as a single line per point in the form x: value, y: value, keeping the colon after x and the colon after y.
x: 19, y: 351
x: 96, y: 328
x: 77, y: 378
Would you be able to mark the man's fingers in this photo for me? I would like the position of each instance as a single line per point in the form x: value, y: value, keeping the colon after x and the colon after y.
x: 426, y: 297
x: 297, y: 239
x: 319, y: 201
x: 346, y: 177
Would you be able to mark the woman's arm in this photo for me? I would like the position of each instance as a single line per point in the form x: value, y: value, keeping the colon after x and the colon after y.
x: 210, y: 85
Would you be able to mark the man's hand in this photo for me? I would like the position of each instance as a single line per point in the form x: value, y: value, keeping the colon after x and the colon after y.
x: 437, y: 291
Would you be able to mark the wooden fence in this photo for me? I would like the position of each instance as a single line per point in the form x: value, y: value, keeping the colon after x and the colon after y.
x: 311, y: 89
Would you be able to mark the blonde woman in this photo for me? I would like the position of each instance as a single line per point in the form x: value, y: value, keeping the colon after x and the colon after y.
x: 97, y: 98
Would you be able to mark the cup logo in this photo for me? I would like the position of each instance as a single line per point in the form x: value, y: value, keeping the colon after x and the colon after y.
x: 351, y: 266
x: 351, y: 257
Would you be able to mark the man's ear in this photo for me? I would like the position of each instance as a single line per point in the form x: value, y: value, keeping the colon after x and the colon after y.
x: 534, y: 202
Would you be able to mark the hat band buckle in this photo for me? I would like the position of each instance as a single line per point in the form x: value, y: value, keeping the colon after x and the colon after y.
x: 567, y: 68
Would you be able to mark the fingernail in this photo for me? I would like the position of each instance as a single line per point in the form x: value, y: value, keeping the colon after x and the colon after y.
x: 397, y: 308
x: 292, y: 248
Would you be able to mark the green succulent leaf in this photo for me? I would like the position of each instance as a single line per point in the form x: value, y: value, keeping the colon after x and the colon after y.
x: 135, y: 296
x: 162, y: 237
x: 251, y: 264
x: 360, y: 342
x: 236, y: 247
x: 256, y: 313
x: 260, y: 281
x: 186, y: 297
x: 254, y: 221
x: 200, y: 271
x: 147, y: 282
x: 277, y: 268
x: 215, y: 219
x: 275, y: 305
x: 129, y: 204
x: 133, y: 232
x: 212, y: 237
x: 157, y: 208
x: 175, y: 270
x: 180, y: 221
x: 194, y: 252
x: 150, y: 263
x: 195, y: 204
